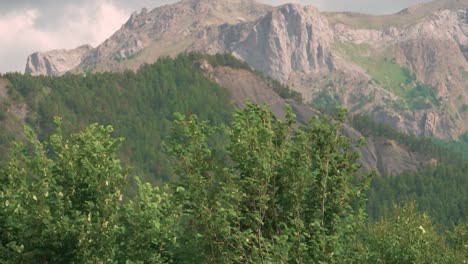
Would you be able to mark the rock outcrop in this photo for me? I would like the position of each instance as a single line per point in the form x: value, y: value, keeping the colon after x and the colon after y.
x: 277, y: 41
x: 387, y: 157
x: 290, y: 39
x: 55, y: 62
x: 433, y: 48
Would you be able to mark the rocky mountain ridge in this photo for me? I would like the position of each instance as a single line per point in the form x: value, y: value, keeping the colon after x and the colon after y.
x: 56, y: 62
x: 328, y: 60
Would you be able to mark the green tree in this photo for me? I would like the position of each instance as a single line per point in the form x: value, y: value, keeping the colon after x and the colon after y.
x: 408, y: 236
x: 278, y: 194
x: 59, y: 201
x: 149, y: 225
x: 139, y: 106
x: 458, y: 239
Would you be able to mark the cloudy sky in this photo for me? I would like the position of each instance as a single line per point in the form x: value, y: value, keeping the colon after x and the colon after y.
x: 27, y: 26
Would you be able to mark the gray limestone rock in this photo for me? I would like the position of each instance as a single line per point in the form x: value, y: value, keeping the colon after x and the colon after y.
x: 55, y: 62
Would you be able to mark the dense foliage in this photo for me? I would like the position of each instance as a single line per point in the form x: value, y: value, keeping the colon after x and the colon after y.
x: 276, y: 195
x: 62, y: 209
x: 138, y: 105
x: 407, y: 236
x: 441, y: 191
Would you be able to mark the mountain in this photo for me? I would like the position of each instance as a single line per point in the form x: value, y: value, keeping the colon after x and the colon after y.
x: 432, y: 50
x: 408, y: 70
x: 210, y: 86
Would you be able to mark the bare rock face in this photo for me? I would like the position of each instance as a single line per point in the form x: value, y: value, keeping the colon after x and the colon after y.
x: 393, y: 159
x: 387, y: 157
x: 56, y: 62
x: 291, y: 43
x: 429, y: 123
x: 433, y: 49
x: 289, y: 39
x: 244, y: 84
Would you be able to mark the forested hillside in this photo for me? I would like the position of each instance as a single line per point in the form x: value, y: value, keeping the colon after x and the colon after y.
x: 139, y: 106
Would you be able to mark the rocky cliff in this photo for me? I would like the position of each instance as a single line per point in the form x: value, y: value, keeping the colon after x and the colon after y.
x: 290, y: 39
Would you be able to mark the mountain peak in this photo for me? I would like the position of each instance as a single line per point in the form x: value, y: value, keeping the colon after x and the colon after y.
x: 217, y: 3
x: 204, y: 5
x: 295, y: 8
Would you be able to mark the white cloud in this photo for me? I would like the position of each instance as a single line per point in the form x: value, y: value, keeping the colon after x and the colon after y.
x: 89, y: 23
x: 93, y: 22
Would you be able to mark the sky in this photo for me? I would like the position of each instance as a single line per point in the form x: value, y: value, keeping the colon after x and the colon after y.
x: 27, y: 26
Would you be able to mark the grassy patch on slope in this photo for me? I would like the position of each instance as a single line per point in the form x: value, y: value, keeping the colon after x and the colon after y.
x: 391, y: 76
x: 465, y: 74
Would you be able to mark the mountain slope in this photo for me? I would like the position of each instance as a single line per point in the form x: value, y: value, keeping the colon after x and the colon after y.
x: 140, y: 106
x: 428, y: 56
